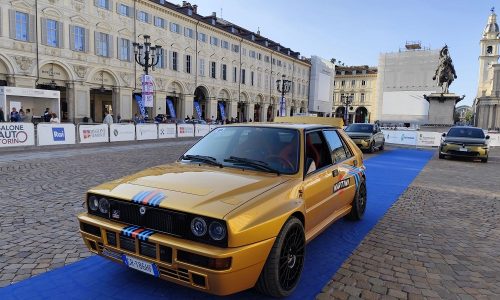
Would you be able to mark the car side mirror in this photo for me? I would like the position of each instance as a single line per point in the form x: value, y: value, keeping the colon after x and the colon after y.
x: 487, y: 137
x: 444, y: 134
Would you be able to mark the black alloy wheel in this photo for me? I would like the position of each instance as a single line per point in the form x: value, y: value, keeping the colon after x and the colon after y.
x: 285, y: 262
x: 381, y: 146
x: 359, y: 203
x: 372, y: 147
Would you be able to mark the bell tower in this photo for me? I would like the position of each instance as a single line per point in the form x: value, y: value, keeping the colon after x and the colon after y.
x: 489, y: 53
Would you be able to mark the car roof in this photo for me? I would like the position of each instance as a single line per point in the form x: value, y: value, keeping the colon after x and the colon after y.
x: 467, y: 127
x: 284, y: 125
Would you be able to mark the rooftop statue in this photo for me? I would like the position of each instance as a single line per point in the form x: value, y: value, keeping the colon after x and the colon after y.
x: 445, y: 72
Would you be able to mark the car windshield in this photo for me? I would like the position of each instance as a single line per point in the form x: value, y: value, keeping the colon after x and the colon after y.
x: 475, y: 133
x: 265, y: 149
x: 368, y: 128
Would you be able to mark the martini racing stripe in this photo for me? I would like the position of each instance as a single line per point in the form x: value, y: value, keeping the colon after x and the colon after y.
x: 137, y: 232
x: 152, y: 198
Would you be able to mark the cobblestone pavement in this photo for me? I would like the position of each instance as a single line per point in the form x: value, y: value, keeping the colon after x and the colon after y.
x: 441, y: 239
x: 42, y: 191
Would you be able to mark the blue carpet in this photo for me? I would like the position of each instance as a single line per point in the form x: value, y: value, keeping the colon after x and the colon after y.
x: 388, y: 175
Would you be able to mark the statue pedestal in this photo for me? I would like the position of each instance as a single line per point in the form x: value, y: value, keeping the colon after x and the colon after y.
x: 442, y: 108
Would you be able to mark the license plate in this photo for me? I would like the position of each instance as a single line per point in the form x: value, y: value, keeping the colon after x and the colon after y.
x: 463, y: 149
x: 140, y: 265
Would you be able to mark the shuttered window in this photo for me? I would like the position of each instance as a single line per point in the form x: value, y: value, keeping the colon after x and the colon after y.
x: 123, y: 49
x: 188, y: 64
x: 103, y: 45
x: 106, y: 4
x: 79, y: 38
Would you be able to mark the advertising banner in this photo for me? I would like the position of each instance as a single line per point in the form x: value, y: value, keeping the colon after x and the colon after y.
x: 17, y: 134
x: 140, y: 104
x: 429, y: 139
x: 201, y: 129
x: 282, y: 107
x: 222, y: 111
x: 121, y: 132
x: 185, y: 130
x: 198, y: 109
x: 494, y: 139
x: 400, y: 137
x: 93, y: 133
x: 146, y: 132
x: 56, y: 134
x: 167, y: 131
x: 171, y: 108
x: 147, y: 90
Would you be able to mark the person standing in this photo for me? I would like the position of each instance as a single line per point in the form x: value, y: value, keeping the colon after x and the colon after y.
x: 108, y: 119
x: 2, y: 116
x: 47, y: 115
x: 54, y: 119
x: 14, y: 115
x: 28, y: 117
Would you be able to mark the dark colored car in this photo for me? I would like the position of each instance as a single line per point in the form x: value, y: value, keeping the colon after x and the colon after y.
x: 366, y: 136
x: 465, y: 141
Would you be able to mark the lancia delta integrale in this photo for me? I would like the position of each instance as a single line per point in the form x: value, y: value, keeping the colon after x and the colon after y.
x: 465, y: 141
x: 234, y: 212
x: 366, y: 136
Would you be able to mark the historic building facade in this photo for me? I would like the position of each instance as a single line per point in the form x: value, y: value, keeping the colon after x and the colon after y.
x: 84, y: 49
x: 357, y: 84
x: 487, y: 102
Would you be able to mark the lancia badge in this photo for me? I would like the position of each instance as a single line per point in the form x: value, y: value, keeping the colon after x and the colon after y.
x: 142, y: 210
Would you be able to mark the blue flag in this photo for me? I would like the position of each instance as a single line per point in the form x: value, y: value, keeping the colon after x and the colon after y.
x: 222, y: 112
x: 198, y: 109
x: 171, y: 108
x: 140, y: 103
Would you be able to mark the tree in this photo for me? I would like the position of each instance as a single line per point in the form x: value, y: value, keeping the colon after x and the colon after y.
x: 468, y: 117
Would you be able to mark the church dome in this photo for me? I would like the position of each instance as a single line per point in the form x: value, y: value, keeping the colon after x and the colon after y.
x: 492, y: 26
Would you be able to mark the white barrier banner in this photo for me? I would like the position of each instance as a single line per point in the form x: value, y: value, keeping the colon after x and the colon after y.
x: 494, y: 139
x: 167, y: 131
x: 121, y: 132
x: 146, y: 132
x: 201, y: 129
x: 429, y: 139
x: 400, y: 137
x: 17, y: 134
x: 185, y: 130
x: 93, y: 133
x: 55, y: 134
x: 212, y: 127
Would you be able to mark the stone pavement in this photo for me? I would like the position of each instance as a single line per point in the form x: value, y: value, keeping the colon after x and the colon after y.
x: 441, y: 239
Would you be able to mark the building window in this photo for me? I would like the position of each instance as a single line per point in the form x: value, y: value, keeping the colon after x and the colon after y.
x: 213, y: 65
x: 188, y: 32
x: 202, y: 37
x: 243, y: 76
x: 124, y: 51
x: 266, y: 59
x: 79, y: 39
x: 124, y: 10
x: 159, y: 22
x: 52, y: 33
x: 266, y: 81
x: 353, y: 83
x: 259, y: 56
x: 251, y: 54
x: 173, y: 60
x: 161, y: 59
x: 274, y: 61
x: 103, y: 4
x: 224, y: 72
x: 342, y: 83
x: 279, y: 63
x: 214, y: 41
x: 21, y: 26
x: 362, y: 97
x: 174, y: 27
x: 244, y: 51
x: 363, y: 83
x: 235, y: 74
x: 188, y: 64
x: 235, y: 48
x: 202, y: 67
x: 102, y: 44
x: 251, y: 78
x: 143, y: 16
x: 259, y: 80
x: 224, y: 44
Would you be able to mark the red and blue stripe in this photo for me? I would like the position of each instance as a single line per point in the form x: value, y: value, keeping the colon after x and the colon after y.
x: 151, y: 198
x: 135, y: 231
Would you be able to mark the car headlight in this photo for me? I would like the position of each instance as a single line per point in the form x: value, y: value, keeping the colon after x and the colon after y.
x: 217, y: 231
x: 198, y: 226
x: 443, y: 144
x: 103, y: 205
x: 367, y: 140
x: 93, y: 203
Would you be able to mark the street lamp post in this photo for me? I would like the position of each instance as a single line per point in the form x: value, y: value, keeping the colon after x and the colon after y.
x: 150, y: 53
x: 283, y: 86
x: 347, y: 101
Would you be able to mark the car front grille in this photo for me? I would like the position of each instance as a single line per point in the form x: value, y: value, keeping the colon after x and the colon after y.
x: 463, y: 153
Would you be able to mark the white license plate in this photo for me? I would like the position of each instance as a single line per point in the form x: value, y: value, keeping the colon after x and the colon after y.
x: 462, y: 149
x: 140, y: 265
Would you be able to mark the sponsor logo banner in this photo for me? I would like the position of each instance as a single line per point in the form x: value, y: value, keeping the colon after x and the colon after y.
x: 400, y: 137
x: 222, y: 111
x: 429, y: 139
x: 121, y: 132
x: 198, y: 109
x: 185, y: 130
x: 147, y: 90
x: 93, y: 133
x: 201, y: 129
x: 171, y: 108
x: 17, y: 134
x: 58, y: 134
x: 167, y: 131
x: 55, y: 134
x: 282, y: 107
x: 146, y: 132
x: 140, y: 104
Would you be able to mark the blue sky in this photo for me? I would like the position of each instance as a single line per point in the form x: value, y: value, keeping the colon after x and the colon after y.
x: 356, y: 32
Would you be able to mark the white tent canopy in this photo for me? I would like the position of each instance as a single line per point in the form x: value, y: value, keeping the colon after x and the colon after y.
x: 36, y: 100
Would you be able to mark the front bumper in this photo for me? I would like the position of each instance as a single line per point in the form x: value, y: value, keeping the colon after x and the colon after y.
x: 455, y: 150
x: 243, y: 272
x: 362, y: 144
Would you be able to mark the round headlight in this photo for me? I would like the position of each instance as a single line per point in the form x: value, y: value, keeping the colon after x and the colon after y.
x: 217, y: 231
x: 93, y: 203
x: 198, y: 226
x: 104, y: 205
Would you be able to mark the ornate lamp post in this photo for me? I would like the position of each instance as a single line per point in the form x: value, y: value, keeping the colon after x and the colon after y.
x: 347, y: 101
x: 150, y: 53
x: 283, y: 86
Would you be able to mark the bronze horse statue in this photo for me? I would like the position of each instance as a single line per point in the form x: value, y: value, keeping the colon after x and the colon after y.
x: 445, y: 72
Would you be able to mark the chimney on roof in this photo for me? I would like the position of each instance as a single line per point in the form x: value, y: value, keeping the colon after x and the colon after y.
x: 258, y: 30
x: 184, y: 3
x: 195, y: 8
x: 214, y: 14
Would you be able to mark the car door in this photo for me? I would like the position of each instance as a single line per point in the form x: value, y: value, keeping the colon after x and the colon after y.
x: 318, y: 181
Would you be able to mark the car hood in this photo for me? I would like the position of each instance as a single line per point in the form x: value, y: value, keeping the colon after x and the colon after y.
x: 204, y: 190
x: 465, y: 140
x: 359, y: 135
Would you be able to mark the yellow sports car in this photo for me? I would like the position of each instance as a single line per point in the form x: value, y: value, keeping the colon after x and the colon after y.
x: 235, y: 211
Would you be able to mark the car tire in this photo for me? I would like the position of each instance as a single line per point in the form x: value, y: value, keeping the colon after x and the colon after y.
x: 372, y: 147
x: 381, y: 146
x: 285, y: 260
x: 359, y: 203
x: 441, y: 156
x: 484, y: 160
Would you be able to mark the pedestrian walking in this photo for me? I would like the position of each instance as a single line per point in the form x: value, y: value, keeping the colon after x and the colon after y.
x: 2, y: 116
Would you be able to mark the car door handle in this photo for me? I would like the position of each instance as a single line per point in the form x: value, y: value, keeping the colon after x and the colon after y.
x: 335, y: 173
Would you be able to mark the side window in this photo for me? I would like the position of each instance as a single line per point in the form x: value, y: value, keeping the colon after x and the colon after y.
x: 317, y: 150
x: 339, y: 149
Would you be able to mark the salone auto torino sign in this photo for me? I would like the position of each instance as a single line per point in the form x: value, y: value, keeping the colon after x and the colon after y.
x: 17, y: 134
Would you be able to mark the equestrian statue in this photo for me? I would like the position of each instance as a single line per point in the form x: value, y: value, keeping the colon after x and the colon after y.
x: 445, y: 72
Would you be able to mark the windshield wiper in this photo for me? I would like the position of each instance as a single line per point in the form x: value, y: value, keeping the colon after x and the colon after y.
x: 203, y: 158
x: 252, y: 163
